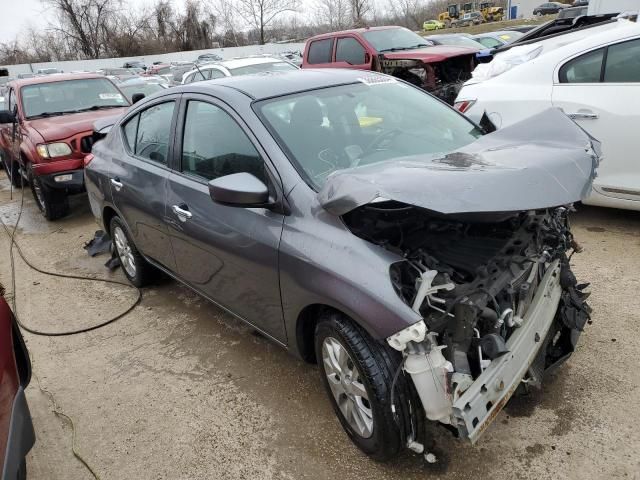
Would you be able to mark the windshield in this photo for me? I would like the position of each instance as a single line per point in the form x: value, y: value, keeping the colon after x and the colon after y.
x: 70, y: 96
x: 263, y: 67
x: 348, y: 126
x: 145, y: 88
x: 390, y: 39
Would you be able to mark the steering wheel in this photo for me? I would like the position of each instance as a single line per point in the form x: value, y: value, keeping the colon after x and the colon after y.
x: 388, y: 135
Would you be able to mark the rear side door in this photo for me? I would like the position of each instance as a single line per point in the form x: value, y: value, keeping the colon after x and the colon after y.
x: 600, y: 90
x: 139, y: 177
x: 228, y: 254
x: 350, y: 53
x: 319, y: 53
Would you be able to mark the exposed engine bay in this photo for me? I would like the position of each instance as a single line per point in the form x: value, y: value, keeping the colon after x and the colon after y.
x: 474, y: 278
x: 443, y: 79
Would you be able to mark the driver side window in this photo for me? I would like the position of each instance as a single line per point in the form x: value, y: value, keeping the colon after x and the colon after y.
x: 214, y: 145
x: 349, y: 50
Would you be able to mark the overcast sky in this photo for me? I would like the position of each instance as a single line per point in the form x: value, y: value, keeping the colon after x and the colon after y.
x: 17, y: 15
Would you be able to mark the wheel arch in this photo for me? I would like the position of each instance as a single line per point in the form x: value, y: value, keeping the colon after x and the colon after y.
x: 306, y: 327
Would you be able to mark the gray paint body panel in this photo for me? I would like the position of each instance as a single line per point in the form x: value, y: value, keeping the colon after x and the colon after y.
x: 319, y: 261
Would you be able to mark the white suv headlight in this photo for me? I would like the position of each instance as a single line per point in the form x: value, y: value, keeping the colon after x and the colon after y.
x: 52, y: 150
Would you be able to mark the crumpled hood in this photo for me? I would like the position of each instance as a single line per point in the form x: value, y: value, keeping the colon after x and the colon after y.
x: 437, y: 53
x: 541, y: 162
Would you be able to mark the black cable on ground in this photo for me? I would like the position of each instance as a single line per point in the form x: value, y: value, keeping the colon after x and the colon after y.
x: 56, y: 409
x: 14, y: 243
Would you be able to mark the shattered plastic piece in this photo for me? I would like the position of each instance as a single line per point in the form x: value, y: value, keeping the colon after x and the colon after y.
x: 113, y: 262
x: 100, y: 243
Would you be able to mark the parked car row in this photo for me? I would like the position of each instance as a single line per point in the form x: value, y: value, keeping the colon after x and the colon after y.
x: 593, y: 75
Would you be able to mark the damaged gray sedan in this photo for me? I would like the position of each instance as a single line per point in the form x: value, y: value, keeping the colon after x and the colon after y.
x: 362, y: 224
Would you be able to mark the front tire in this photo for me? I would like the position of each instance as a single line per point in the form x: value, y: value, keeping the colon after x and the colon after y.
x: 357, y: 372
x: 52, y: 204
x: 137, y: 270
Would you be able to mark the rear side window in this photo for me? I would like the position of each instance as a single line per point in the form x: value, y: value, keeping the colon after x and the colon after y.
x: 349, y: 50
x: 154, y: 133
x: 130, y: 129
x: 585, y: 69
x: 215, y: 73
x: 320, y: 51
x: 623, y: 63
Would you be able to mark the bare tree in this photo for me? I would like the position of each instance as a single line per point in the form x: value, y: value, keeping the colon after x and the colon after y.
x: 359, y: 10
x: 336, y: 14
x: 410, y: 13
x: 84, y: 22
x: 225, y: 12
x: 260, y: 13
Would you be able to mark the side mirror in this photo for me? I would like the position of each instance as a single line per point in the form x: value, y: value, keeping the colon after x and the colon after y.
x: 239, y: 190
x: 6, y: 116
x: 367, y: 57
x: 136, y: 97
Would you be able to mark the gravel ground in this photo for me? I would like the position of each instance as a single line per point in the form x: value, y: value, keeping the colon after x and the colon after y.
x: 180, y: 390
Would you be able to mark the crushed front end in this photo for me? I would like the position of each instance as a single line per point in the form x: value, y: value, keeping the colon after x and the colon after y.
x: 499, y: 303
x: 443, y: 78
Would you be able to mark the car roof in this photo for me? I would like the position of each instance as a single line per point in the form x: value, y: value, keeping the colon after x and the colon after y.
x: 247, y: 61
x: 354, y: 30
x: 276, y: 84
x: 57, y: 77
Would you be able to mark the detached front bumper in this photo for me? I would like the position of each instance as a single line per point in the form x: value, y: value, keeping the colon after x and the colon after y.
x: 480, y: 404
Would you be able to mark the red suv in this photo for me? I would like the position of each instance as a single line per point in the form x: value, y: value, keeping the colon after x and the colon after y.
x: 16, y: 430
x: 441, y: 70
x: 46, y: 131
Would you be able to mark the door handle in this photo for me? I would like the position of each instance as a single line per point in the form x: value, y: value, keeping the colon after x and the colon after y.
x: 182, y: 214
x: 583, y: 116
x: 116, y: 184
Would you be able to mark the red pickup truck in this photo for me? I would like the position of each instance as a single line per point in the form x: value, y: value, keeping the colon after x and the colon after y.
x: 46, y: 131
x: 397, y: 51
x: 16, y: 429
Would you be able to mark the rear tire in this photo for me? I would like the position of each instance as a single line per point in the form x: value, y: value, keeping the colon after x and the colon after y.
x: 137, y: 270
x: 368, y: 365
x: 53, y: 204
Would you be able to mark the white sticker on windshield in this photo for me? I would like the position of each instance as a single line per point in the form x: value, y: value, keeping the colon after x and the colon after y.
x: 110, y: 96
x: 375, y: 79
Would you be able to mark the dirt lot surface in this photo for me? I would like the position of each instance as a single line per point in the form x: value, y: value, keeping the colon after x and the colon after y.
x: 180, y: 390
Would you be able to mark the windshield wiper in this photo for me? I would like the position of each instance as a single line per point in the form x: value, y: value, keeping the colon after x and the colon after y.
x: 50, y: 114
x: 97, y: 107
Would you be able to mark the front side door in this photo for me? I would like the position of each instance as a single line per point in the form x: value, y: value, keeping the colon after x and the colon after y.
x: 229, y: 254
x: 600, y: 90
x: 350, y: 53
x: 139, y: 178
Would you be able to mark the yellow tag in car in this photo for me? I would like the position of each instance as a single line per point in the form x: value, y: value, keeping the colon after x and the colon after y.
x: 369, y: 121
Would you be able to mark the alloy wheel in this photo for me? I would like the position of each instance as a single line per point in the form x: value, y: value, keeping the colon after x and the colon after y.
x: 347, y: 387
x: 124, y: 251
